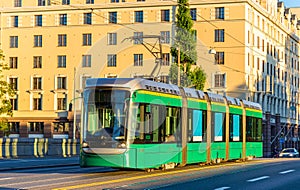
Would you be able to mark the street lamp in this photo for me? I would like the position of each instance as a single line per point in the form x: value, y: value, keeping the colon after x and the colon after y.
x: 212, y: 51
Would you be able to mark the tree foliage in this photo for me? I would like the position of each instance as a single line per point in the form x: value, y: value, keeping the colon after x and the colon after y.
x: 185, y: 36
x: 6, y: 92
x: 185, y: 41
x: 198, y: 78
x: 4, y: 128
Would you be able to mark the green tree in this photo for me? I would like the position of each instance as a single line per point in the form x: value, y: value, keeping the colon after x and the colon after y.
x: 198, y: 78
x: 4, y: 126
x: 185, y: 41
x: 6, y: 92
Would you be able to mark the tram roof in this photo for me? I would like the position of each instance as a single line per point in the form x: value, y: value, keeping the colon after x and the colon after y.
x: 133, y: 84
x: 194, y: 93
x: 233, y: 101
x: 215, y: 97
x: 253, y: 105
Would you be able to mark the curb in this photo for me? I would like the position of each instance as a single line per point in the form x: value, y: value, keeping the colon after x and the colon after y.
x: 37, y: 166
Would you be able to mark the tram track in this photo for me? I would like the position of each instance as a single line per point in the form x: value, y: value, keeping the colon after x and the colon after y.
x: 74, y: 177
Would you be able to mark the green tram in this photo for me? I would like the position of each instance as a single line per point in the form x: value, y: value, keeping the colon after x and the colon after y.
x: 142, y: 124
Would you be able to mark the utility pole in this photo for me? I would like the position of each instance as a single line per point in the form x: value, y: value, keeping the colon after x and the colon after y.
x: 74, y: 113
x: 178, y: 59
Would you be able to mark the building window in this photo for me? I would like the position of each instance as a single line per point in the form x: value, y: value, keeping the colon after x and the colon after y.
x: 14, y: 103
x: 14, y: 127
x: 219, y: 13
x: 138, y: 37
x: 61, y: 127
x: 62, y: 83
x: 83, y: 81
x: 139, y: 16
x: 37, y: 62
x: 65, y: 2
x: 219, y: 58
x: 41, y: 2
x: 114, y: 1
x: 37, y: 83
x: 89, y: 1
x: 164, y: 79
x: 111, y: 60
x: 13, y: 62
x: 62, y: 19
x: 112, y: 39
x: 38, y: 41
x: 13, y: 41
x: 193, y: 13
x: 62, y: 40
x: 138, y: 59
x: 61, y: 61
x: 61, y: 103
x: 13, y: 81
x: 37, y: 103
x: 165, y: 37
x: 219, y: 35
x: 86, y: 60
x: 15, y: 21
x: 87, y: 39
x: 165, y: 15
x: 87, y: 18
x: 113, y: 17
x: 36, y: 127
x: 18, y: 3
x: 220, y: 80
x: 194, y: 34
x: 38, y: 20
x: 165, y: 59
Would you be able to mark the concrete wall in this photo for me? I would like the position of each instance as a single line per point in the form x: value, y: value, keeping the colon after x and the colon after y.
x: 38, y: 147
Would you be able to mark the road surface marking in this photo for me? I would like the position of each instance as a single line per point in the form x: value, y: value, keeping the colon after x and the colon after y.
x: 222, y: 188
x: 147, y: 176
x: 5, y: 178
x: 257, y: 179
x: 287, y: 171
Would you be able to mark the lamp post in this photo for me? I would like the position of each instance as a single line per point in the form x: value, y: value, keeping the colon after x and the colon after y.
x: 74, y: 114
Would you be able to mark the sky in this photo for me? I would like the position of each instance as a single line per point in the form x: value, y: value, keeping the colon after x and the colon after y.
x: 291, y: 3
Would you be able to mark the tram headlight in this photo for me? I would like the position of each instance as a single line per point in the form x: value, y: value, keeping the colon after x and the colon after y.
x: 122, y: 145
x: 85, y: 145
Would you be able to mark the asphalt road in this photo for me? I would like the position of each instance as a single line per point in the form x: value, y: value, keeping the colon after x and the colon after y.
x: 65, y: 173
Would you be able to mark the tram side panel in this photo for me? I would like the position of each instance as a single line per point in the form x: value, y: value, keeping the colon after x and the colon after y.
x: 161, y: 129
x: 197, y: 123
x: 235, y: 132
x: 218, y: 145
x: 254, y: 145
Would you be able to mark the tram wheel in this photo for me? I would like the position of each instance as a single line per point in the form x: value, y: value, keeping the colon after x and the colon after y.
x: 148, y: 170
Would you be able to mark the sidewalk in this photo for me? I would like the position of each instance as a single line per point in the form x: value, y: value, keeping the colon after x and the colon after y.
x: 28, y: 163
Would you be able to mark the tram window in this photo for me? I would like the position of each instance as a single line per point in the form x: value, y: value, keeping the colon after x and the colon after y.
x: 155, y: 121
x: 171, y: 132
x: 197, y: 125
x: 235, y: 128
x: 253, y: 129
x: 157, y: 124
x: 92, y: 118
x: 218, y: 126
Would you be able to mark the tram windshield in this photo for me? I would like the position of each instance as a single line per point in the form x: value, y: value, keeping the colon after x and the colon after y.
x: 104, y: 117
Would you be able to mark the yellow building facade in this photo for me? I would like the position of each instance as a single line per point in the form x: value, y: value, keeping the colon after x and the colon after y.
x: 248, y: 49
